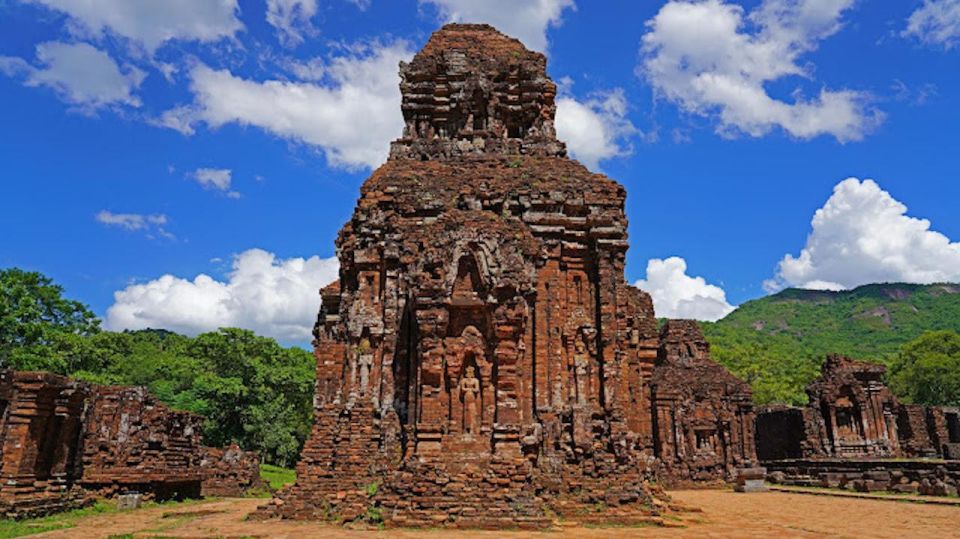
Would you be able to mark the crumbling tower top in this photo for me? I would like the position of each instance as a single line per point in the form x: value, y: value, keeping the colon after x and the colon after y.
x: 473, y: 90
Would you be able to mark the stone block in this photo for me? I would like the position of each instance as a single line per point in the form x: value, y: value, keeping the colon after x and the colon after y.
x: 131, y: 500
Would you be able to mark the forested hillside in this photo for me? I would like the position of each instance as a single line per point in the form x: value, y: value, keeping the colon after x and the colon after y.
x: 778, y: 342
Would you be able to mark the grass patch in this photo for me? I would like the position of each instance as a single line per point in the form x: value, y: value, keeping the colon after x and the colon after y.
x: 276, y: 476
x: 31, y: 526
x: 69, y: 519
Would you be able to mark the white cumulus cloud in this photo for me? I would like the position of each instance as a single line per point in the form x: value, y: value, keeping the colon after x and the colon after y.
x: 291, y: 18
x: 714, y: 60
x: 79, y: 73
x: 595, y: 129
x: 863, y: 235
x: 526, y: 20
x: 150, y: 23
x: 936, y: 22
x: 678, y: 295
x: 352, y: 114
x: 274, y: 297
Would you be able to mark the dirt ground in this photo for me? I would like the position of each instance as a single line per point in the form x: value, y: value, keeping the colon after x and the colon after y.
x: 725, y: 514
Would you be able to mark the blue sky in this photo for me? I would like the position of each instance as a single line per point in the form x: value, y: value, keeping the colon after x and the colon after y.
x: 189, y: 164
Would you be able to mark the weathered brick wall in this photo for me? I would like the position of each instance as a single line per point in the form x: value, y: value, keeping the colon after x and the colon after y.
x: 780, y: 432
x: 230, y: 471
x: 921, y: 430
x: 134, y: 442
x: 40, y: 423
x: 703, y: 415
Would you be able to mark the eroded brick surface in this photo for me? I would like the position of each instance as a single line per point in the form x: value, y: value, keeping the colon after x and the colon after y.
x: 852, y: 414
x: 703, y: 415
x: 64, y: 442
x: 230, y: 471
x: 134, y: 442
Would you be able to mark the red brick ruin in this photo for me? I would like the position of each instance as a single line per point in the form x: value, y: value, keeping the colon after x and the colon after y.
x: 703, y: 415
x: 852, y: 414
x: 482, y: 361
x: 230, y: 471
x: 65, y: 442
x: 854, y: 433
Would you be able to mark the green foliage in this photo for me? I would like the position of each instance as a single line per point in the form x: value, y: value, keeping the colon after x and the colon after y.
x: 927, y: 370
x: 276, y: 476
x: 249, y: 389
x: 778, y: 343
x: 34, y: 315
x: 374, y: 515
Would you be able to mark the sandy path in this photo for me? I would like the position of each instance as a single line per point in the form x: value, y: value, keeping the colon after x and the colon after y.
x: 725, y: 514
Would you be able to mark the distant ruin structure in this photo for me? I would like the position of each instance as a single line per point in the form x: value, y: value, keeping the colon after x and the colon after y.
x: 64, y: 442
x: 852, y: 414
x: 854, y: 434
x: 482, y: 342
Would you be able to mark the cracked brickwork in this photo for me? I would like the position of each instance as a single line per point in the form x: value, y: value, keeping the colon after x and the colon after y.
x: 852, y: 414
x: 64, y: 442
x: 704, y: 416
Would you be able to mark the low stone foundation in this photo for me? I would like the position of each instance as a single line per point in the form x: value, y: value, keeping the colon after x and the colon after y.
x: 924, y: 477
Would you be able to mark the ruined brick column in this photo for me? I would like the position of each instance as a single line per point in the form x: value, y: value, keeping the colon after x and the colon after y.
x: 40, y: 420
x: 481, y: 361
x: 704, y: 416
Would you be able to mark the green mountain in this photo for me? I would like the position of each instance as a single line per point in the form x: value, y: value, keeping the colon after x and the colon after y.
x: 777, y: 343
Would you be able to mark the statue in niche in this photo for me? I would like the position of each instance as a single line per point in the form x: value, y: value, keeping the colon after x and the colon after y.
x: 557, y: 394
x: 580, y: 363
x: 470, y: 394
x: 365, y: 362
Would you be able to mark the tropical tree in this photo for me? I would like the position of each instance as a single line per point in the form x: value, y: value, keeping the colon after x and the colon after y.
x: 38, y: 326
x: 927, y: 370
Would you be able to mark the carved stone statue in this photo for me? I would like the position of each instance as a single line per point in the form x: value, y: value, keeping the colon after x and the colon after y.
x: 580, y: 363
x: 365, y: 361
x: 470, y: 393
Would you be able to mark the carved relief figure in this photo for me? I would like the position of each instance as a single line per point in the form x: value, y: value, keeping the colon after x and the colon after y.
x: 365, y: 361
x: 470, y: 394
x: 580, y: 363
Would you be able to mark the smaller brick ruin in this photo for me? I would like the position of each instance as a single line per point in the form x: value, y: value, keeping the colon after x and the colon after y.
x: 858, y: 412
x: 230, y: 471
x: 64, y: 442
x: 852, y: 414
x: 132, y: 442
x: 703, y: 415
x: 854, y: 434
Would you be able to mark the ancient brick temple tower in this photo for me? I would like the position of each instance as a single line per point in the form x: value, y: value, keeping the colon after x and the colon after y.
x: 481, y: 361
